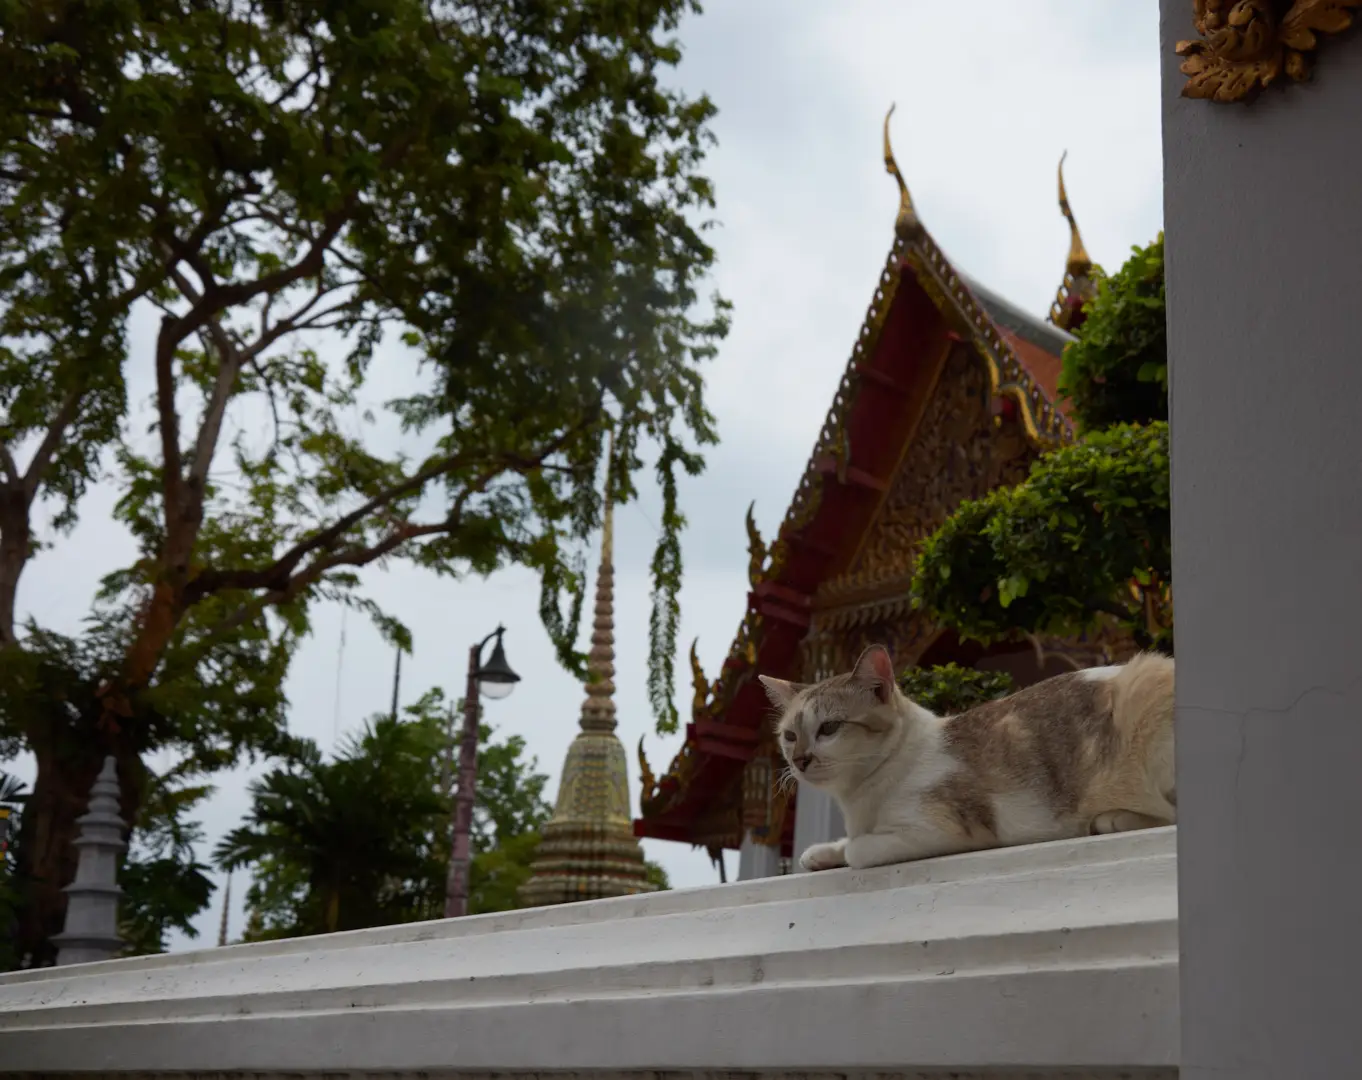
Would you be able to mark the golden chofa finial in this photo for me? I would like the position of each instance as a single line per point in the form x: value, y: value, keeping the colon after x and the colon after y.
x: 907, y: 227
x: 1079, y: 263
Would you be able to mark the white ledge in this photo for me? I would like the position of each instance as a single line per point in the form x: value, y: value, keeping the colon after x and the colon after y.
x: 1061, y: 955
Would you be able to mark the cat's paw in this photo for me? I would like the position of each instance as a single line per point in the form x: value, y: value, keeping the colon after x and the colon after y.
x: 824, y: 856
x: 1114, y: 821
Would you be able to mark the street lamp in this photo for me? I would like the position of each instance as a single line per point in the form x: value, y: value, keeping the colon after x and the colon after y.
x: 494, y: 680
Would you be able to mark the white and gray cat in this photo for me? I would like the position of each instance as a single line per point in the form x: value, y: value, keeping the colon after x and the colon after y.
x: 1090, y: 751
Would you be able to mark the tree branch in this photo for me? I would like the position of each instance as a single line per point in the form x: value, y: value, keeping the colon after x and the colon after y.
x: 354, y: 556
x: 280, y: 577
x: 168, y: 421
x: 52, y: 440
x: 229, y: 368
x: 7, y: 466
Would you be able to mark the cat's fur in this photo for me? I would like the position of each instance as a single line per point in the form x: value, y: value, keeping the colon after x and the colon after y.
x: 1090, y: 751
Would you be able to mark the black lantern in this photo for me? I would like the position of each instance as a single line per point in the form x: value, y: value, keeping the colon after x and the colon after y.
x: 495, y: 678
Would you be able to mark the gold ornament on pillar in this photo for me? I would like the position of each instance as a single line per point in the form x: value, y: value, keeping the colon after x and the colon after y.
x: 1247, y: 45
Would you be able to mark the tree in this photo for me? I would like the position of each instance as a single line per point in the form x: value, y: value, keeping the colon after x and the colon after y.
x: 657, y: 876
x: 1117, y: 371
x: 503, y: 198
x: 11, y: 802
x: 206, y: 710
x: 363, y: 840
x: 164, y: 884
x: 1088, y: 534
x: 354, y: 837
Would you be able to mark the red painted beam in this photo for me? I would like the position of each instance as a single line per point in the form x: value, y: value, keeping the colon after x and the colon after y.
x: 854, y: 477
x: 813, y: 547
x: 790, y: 597
x: 716, y: 730
x: 771, y: 609
x: 720, y: 748
x: 660, y: 830
x: 880, y: 378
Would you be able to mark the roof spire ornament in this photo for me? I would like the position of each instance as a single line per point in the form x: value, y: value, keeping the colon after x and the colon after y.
x: 1080, y: 273
x: 1079, y: 264
x: 598, y: 710
x: 907, y: 226
x: 589, y: 850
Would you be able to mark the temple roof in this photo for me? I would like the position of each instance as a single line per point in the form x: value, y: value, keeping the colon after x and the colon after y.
x: 922, y: 306
x: 1039, y: 344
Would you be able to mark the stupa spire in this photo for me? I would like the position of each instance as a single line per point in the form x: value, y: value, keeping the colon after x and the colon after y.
x: 588, y: 849
x: 598, y: 710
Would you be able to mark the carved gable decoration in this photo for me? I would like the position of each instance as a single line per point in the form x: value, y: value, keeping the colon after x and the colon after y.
x: 958, y: 452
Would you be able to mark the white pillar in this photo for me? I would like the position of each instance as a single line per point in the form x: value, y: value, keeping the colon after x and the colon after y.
x: 757, y: 860
x: 1264, y: 271
x: 818, y: 819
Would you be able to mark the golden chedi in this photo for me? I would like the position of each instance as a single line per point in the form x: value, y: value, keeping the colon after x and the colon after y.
x: 589, y: 850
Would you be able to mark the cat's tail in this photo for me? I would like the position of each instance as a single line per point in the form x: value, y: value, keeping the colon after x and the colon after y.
x: 1142, y: 711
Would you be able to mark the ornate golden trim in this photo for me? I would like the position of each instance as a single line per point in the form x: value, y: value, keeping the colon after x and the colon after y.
x: 756, y: 549
x: 1246, y: 45
x: 647, y: 782
x: 1044, y: 424
x: 699, y: 684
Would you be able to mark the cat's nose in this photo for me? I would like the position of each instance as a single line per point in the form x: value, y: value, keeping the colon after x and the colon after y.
x: 801, y: 761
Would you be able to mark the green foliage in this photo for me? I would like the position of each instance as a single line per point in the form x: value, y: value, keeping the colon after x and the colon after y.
x: 504, y: 200
x: 498, y: 872
x: 364, y: 839
x: 164, y: 884
x: 12, y: 798
x: 498, y: 209
x: 948, y: 689
x: 1051, y: 554
x: 657, y: 876
x: 354, y: 835
x: 1117, y: 371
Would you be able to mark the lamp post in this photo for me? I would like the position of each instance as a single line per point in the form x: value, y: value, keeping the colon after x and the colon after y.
x: 494, y: 680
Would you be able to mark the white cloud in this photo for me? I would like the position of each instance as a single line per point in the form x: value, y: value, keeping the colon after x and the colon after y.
x: 987, y: 101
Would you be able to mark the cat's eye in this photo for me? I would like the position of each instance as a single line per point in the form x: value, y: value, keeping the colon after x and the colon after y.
x: 829, y: 727
x: 789, y: 736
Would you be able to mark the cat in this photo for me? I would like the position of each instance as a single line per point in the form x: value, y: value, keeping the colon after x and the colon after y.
x: 1085, y: 752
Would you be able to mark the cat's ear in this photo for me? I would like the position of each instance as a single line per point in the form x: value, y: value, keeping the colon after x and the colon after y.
x: 876, y: 670
x: 779, y: 691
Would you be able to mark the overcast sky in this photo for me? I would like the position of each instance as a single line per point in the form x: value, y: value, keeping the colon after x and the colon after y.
x: 986, y: 105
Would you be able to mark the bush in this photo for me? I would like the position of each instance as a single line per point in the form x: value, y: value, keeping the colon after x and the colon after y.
x: 1117, y: 371
x: 947, y: 689
x: 1051, y: 554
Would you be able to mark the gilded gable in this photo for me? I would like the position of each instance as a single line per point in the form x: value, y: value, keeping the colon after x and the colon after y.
x: 959, y: 451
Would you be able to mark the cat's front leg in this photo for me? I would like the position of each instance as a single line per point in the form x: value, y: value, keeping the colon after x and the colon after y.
x: 1114, y: 821
x: 824, y: 856
x: 883, y: 849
